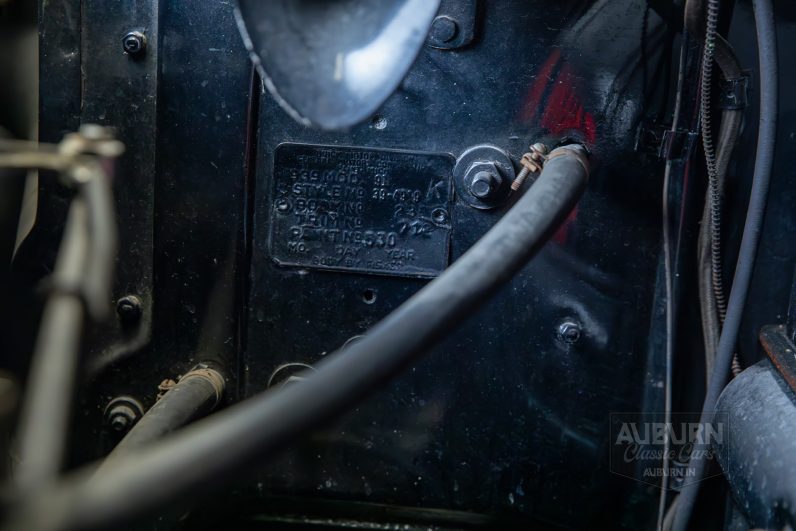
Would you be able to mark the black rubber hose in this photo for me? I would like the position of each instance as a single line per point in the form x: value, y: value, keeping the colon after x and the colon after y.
x: 49, y: 390
x: 211, y: 452
x: 767, y: 49
x: 196, y: 394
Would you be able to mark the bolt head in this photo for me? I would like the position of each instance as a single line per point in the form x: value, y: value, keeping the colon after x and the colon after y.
x: 443, y: 29
x: 484, y: 180
x: 569, y: 332
x: 439, y: 216
x: 119, y: 423
x: 129, y: 309
x: 122, y: 413
x: 539, y: 148
x: 134, y: 43
x: 121, y: 418
x: 484, y: 184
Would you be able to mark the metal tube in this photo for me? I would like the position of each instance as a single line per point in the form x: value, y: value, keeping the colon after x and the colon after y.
x: 81, y: 281
x: 47, y: 405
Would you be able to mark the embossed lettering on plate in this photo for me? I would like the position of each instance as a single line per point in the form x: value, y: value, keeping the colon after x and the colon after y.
x: 375, y: 211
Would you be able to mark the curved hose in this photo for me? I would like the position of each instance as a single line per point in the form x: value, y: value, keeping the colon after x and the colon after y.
x: 213, y: 451
x: 767, y: 49
x: 196, y: 394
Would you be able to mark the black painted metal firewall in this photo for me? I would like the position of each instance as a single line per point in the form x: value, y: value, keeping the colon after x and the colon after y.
x: 508, y: 419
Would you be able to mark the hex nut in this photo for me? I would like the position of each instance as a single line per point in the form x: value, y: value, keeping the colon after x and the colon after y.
x: 134, y: 43
x: 569, y: 331
x: 122, y: 413
x: 129, y: 309
x: 484, y: 180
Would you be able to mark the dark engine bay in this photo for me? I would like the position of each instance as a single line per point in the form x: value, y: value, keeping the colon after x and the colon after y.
x: 397, y: 264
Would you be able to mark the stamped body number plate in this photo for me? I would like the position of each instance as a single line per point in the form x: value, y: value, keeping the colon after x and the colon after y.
x: 362, y: 210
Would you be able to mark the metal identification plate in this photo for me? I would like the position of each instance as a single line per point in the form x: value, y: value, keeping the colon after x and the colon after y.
x: 363, y: 210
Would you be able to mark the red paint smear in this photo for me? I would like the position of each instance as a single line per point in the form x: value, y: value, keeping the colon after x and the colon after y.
x: 562, y: 112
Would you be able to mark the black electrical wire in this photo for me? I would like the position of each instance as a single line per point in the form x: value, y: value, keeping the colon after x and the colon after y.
x: 711, y: 324
x: 767, y: 50
x: 669, y: 354
x: 670, y: 262
x: 212, y: 452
